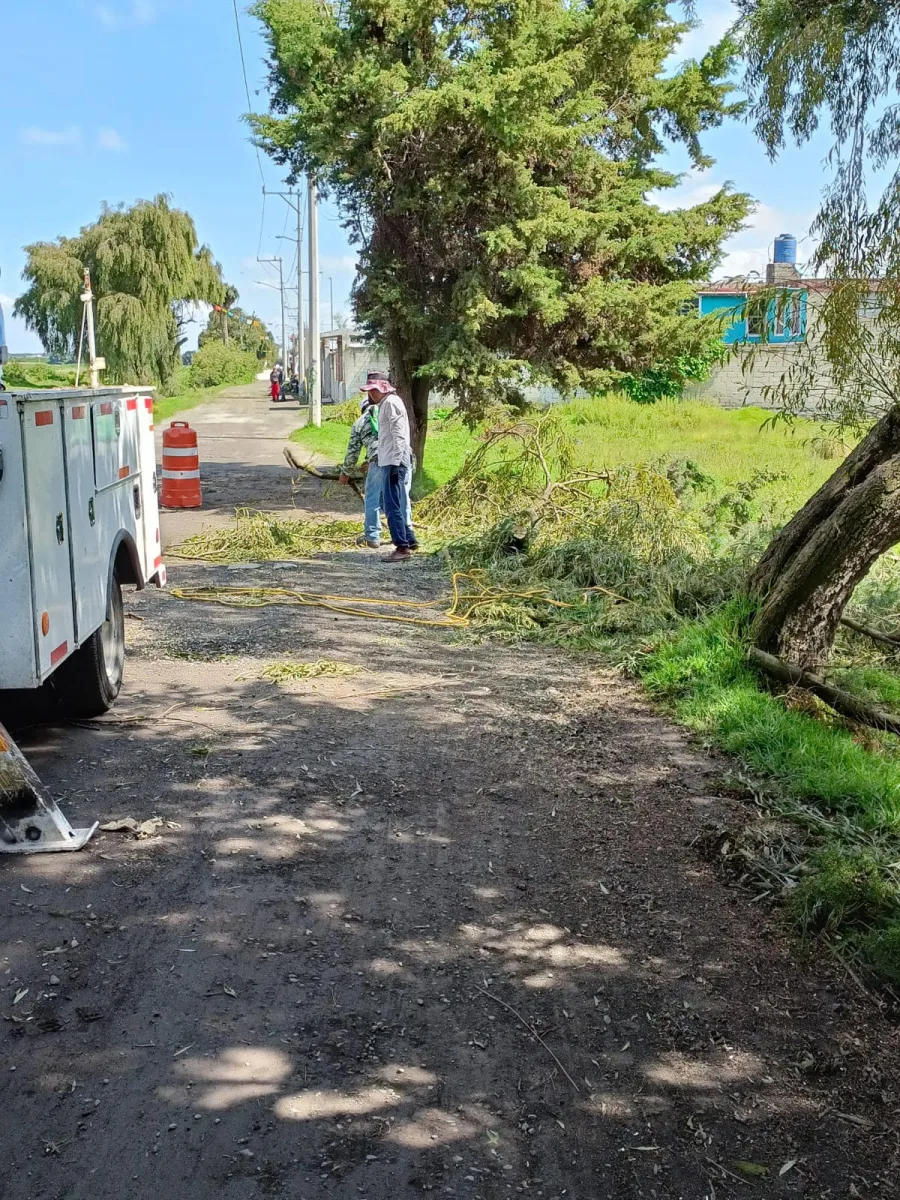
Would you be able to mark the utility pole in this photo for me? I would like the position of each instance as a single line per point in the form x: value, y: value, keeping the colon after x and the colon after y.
x: 96, y: 364
x: 294, y: 199
x: 277, y: 259
x: 315, y: 379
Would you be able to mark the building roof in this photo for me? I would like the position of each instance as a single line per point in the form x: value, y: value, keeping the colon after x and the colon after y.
x: 738, y: 284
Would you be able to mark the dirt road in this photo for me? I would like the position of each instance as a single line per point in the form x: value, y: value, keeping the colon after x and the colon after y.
x: 435, y: 927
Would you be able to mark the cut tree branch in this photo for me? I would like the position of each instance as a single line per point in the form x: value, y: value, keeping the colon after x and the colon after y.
x: 875, y: 634
x: 842, y: 702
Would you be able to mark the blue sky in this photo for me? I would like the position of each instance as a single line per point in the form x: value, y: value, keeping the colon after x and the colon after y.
x: 123, y: 99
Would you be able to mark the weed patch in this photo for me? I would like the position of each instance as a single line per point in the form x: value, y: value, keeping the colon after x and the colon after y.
x: 284, y: 671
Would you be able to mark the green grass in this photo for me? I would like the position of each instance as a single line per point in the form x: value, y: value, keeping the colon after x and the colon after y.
x: 612, y: 431
x: 448, y: 445
x: 846, y: 882
x: 185, y: 397
x: 38, y: 374
x: 702, y: 674
x: 727, y: 444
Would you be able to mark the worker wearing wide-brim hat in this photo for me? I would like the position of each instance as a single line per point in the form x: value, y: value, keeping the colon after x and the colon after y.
x: 395, y: 460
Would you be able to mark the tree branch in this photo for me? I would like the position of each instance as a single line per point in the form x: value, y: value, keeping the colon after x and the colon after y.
x: 842, y: 702
x: 875, y: 634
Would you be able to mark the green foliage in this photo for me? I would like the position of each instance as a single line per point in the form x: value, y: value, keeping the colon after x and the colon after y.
x: 343, y: 414
x: 838, y: 61
x: 245, y: 330
x: 24, y: 373
x: 668, y: 380
x: 217, y: 364
x: 846, y: 886
x: 879, y: 950
x: 145, y: 264
x: 493, y: 163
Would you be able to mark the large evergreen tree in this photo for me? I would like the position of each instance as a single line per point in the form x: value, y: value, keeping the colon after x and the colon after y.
x: 836, y: 62
x: 493, y: 163
x: 145, y: 265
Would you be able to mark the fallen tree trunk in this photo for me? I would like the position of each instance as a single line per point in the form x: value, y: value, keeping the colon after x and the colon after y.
x: 842, y: 702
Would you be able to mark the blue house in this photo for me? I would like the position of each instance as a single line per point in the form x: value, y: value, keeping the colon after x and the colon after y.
x: 771, y: 318
x: 776, y: 318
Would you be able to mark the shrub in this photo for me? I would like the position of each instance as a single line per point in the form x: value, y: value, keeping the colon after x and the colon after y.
x: 215, y: 364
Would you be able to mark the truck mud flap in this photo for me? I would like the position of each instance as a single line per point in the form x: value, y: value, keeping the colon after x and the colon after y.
x: 30, y: 820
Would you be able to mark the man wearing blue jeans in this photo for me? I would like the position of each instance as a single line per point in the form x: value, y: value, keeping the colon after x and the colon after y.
x: 395, y: 460
x: 364, y: 435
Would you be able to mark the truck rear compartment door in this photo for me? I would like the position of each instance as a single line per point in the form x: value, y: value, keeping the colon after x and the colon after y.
x: 48, y: 525
x: 115, y: 440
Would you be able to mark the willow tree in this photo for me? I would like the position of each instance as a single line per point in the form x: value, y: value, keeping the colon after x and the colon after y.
x: 145, y: 266
x: 836, y: 61
x: 493, y: 163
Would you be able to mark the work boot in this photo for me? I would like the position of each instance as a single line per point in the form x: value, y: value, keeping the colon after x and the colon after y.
x: 362, y: 540
x: 398, y: 555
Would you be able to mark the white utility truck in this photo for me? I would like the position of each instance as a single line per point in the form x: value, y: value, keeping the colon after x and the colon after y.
x: 79, y: 518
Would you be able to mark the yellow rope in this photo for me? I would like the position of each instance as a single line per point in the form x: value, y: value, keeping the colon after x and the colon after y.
x: 458, y: 616
x: 262, y: 597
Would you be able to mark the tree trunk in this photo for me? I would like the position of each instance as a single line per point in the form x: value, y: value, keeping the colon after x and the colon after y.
x: 414, y: 391
x: 880, y: 444
x: 807, y: 575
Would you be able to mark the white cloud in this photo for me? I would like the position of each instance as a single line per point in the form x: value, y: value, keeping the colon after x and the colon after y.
x: 749, y: 250
x: 33, y: 136
x: 113, y: 18
x: 338, y: 262
x: 696, y: 187
x: 110, y: 139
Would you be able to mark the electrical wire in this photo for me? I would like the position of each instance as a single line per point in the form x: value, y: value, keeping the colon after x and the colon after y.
x: 237, y: 25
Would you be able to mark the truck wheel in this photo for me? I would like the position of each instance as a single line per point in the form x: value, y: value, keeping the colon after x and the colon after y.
x: 89, y: 682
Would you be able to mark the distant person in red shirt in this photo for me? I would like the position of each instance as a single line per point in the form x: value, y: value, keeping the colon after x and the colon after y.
x: 276, y: 379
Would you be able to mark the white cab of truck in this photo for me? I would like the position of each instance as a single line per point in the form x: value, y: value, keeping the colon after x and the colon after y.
x: 79, y: 518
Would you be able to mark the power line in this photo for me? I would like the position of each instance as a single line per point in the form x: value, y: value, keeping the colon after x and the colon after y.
x: 237, y: 25
x: 262, y: 225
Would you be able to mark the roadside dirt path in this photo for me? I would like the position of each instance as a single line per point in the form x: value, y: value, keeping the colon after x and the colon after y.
x: 438, y: 927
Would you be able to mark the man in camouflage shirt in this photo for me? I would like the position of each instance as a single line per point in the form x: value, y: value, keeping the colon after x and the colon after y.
x: 364, y: 436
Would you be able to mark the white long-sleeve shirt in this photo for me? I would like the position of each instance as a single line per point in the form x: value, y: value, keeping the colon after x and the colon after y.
x: 394, y: 446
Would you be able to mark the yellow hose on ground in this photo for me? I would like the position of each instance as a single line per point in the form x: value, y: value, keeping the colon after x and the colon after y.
x: 261, y: 597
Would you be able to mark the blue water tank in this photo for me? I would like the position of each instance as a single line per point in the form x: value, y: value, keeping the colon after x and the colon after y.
x: 786, y: 249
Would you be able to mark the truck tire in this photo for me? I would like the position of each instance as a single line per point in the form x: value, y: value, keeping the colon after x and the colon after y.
x: 88, y: 682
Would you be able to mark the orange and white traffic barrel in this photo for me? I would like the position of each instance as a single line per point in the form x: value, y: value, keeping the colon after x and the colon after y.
x: 180, y: 467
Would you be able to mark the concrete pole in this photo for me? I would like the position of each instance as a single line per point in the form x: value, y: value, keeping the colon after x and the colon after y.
x: 284, y: 345
x: 88, y: 299
x: 301, y: 357
x: 315, y: 390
